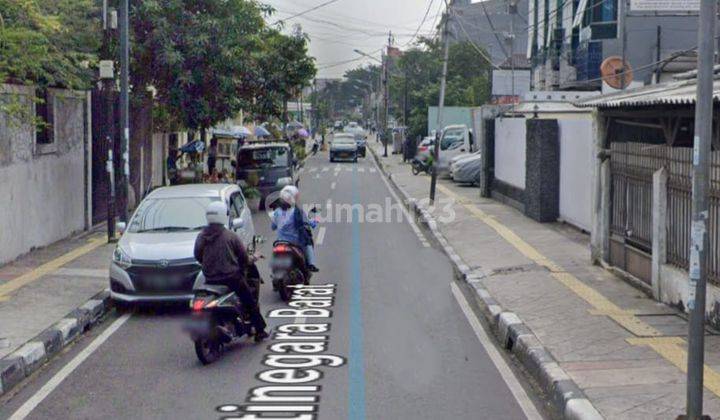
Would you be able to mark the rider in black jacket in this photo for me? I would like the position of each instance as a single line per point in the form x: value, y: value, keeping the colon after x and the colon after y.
x: 225, y: 261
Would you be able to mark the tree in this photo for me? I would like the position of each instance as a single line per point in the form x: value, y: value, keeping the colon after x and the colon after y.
x: 48, y: 42
x: 284, y: 69
x: 468, y: 82
x: 198, y: 55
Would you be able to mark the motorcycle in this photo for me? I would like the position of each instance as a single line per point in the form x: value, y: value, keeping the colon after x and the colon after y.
x: 217, y: 316
x: 289, y: 267
x: 421, y: 165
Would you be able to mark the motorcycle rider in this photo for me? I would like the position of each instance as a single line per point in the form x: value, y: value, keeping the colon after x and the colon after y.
x: 225, y: 261
x: 294, y: 226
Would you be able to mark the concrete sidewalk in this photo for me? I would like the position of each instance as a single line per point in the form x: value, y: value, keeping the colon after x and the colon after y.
x: 625, y: 352
x: 47, y: 297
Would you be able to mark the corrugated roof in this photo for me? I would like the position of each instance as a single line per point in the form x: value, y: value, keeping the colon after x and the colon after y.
x: 673, y: 93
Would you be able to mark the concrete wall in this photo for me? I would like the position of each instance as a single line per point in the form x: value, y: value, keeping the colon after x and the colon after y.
x: 576, y: 145
x: 510, y: 139
x: 44, y: 188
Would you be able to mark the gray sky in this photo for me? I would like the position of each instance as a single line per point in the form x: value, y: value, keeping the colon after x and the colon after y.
x: 335, y: 30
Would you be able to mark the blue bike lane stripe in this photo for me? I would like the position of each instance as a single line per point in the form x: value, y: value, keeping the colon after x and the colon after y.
x: 356, y: 358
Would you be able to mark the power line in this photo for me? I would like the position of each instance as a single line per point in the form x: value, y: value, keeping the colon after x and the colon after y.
x: 478, y: 49
x: 497, y: 38
x: 312, y: 9
x: 427, y: 12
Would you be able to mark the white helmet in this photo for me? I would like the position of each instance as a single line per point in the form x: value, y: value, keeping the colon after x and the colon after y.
x: 289, y: 194
x: 217, y: 213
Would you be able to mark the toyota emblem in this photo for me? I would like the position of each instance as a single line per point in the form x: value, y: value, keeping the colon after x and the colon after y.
x: 164, y: 263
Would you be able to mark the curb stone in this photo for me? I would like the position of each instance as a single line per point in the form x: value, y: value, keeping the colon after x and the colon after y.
x: 512, y: 333
x: 32, y: 355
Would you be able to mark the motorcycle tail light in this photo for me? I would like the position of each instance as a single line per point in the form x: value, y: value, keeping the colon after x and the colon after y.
x: 281, y: 248
x: 198, y: 305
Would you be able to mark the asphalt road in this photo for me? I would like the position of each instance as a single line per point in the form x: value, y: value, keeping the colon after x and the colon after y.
x: 408, y: 349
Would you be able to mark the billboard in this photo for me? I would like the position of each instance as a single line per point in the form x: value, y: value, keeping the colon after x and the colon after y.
x: 664, y: 5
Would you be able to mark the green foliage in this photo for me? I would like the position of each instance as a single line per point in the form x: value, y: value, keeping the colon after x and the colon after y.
x: 467, y: 85
x: 284, y: 68
x: 198, y: 56
x: 48, y: 42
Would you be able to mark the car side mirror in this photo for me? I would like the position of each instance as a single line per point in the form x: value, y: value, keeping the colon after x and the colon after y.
x: 120, y: 227
x: 238, y: 223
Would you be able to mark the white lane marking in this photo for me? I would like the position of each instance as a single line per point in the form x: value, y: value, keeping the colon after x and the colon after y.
x: 313, y: 169
x: 372, y: 170
x: 325, y: 169
x: 333, y: 185
x: 317, y: 176
x: 336, y: 173
x: 53, y: 383
x: 321, y: 235
x: 409, y: 218
x: 508, y: 376
x: 348, y: 169
x: 361, y: 169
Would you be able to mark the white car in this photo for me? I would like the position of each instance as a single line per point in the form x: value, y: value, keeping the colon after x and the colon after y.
x: 154, y: 260
x: 467, y: 170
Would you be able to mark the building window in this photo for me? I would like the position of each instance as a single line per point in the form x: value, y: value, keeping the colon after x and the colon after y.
x: 44, y: 118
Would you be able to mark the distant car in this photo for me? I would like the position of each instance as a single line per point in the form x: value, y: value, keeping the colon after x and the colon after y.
x: 154, y: 261
x: 338, y: 125
x: 344, y: 146
x: 269, y: 166
x: 467, y: 171
x: 360, y: 137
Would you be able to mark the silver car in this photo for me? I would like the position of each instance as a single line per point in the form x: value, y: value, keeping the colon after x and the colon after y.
x: 153, y: 261
x: 344, y: 146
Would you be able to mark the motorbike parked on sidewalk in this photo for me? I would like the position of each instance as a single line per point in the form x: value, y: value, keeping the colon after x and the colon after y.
x: 421, y: 165
x: 217, y: 316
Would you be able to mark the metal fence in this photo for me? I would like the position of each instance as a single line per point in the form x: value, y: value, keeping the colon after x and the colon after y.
x: 632, y: 167
x: 679, y: 214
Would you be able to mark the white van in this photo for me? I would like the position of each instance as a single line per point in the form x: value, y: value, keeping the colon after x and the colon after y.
x: 456, y: 140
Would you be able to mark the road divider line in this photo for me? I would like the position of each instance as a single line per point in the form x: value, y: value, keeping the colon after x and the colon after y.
x: 49, y: 267
x: 333, y: 185
x: 356, y: 359
x: 56, y: 380
x: 507, y: 374
x: 321, y: 235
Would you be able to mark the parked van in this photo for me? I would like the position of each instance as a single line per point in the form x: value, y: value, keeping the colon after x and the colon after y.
x: 456, y: 140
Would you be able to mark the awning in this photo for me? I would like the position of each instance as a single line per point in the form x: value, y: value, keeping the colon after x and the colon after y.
x: 672, y: 93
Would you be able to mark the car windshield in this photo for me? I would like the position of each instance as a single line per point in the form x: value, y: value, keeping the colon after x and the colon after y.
x: 170, y: 214
x: 344, y: 140
x: 269, y: 157
x: 451, y: 139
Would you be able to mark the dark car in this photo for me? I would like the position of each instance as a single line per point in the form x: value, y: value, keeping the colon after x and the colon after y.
x: 267, y: 166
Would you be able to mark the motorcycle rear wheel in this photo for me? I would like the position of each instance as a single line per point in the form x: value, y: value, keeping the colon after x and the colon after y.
x: 208, y: 350
x: 415, y: 170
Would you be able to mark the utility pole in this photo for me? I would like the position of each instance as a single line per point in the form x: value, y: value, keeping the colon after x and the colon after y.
x: 386, y: 98
x: 623, y: 43
x: 700, y: 187
x: 443, y: 82
x: 107, y: 76
x: 125, y: 105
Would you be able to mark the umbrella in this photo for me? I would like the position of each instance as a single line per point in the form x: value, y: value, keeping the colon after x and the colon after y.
x: 196, y: 146
x: 242, y: 131
x: 303, y: 133
x: 295, y: 125
x: 261, y: 132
